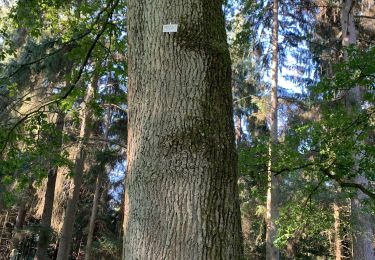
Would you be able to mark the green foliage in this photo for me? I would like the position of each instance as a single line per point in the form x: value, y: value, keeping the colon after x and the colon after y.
x: 47, y: 42
x: 319, y: 156
x: 108, y: 246
x: 305, y: 222
x: 357, y: 71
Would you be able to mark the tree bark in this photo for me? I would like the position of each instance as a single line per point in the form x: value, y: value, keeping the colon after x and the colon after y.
x: 20, y: 220
x: 181, y: 197
x: 238, y: 127
x: 362, y: 226
x: 272, y: 252
x: 94, y: 211
x: 68, y: 225
x: 336, y: 216
x: 21, y: 215
x: 45, y: 225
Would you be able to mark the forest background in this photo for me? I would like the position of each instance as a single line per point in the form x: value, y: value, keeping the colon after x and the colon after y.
x: 303, y: 79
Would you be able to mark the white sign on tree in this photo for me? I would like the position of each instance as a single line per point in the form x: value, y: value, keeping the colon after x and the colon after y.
x: 170, y: 28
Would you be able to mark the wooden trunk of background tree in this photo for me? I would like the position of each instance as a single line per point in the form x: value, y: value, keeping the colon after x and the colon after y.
x: 68, y: 225
x: 94, y: 210
x: 337, y: 224
x: 98, y: 183
x: 181, y: 198
x: 45, y: 224
x: 272, y: 252
x: 362, y: 225
x: 238, y: 127
x: 20, y: 220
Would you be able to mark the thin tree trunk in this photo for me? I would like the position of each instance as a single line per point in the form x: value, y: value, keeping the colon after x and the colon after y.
x: 94, y: 211
x: 362, y: 231
x: 98, y: 184
x: 21, y: 215
x: 238, y: 128
x: 45, y: 225
x: 20, y: 220
x: 181, y: 197
x: 336, y: 216
x: 272, y: 252
x: 68, y: 225
x: 3, y: 228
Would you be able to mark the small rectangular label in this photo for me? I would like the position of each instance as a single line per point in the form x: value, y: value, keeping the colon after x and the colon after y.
x: 170, y: 28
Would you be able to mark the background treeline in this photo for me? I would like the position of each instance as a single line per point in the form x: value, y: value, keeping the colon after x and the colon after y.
x: 303, y: 79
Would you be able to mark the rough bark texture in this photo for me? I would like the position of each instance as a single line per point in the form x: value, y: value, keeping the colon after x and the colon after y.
x: 272, y: 213
x: 362, y: 226
x: 181, y: 199
x: 68, y: 225
x: 45, y: 224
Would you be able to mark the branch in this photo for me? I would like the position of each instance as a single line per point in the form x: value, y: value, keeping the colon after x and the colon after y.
x: 45, y: 56
x: 72, y: 86
x: 312, y: 192
x: 342, y: 183
x: 364, y: 16
x: 293, y: 100
x: 116, y: 106
x: 293, y: 169
x: 345, y: 183
x: 97, y: 18
x: 106, y: 141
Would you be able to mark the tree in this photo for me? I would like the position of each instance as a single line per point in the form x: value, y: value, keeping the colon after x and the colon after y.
x: 181, y: 197
x: 272, y: 252
x: 80, y: 156
x: 45, y: 225
x: 363, y: 234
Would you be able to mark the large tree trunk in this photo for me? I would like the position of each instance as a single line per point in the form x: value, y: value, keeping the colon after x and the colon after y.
x: 45, y: 225
x: 362, y: 226
x: 272, y: 211
x: 181, y: 198
x: 68, y: 225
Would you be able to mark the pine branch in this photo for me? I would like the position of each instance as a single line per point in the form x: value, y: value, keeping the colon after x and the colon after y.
x: 73, y: 85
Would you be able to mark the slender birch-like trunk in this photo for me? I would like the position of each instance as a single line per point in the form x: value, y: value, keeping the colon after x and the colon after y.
x: 181, y: 197
x: 272, y: 211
